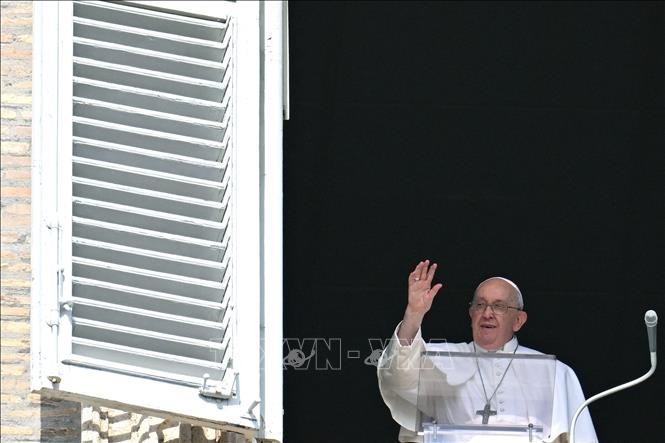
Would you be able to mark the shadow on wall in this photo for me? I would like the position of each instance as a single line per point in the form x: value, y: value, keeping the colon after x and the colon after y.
x: 100, y: 424
x: 60, y: 420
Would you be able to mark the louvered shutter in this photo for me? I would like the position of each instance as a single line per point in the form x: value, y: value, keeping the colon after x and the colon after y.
x: 152, y: 125
x: 157, y: 209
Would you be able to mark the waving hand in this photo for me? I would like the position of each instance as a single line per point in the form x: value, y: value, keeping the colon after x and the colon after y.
x: 421, y: 295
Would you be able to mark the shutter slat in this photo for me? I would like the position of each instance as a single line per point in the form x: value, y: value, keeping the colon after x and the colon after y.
x: 147, y: 59
x: 149, y: 219
x: 149, y: 79
x: 148, y: 199
x: 148, y: 99
x: 207, y: 350
x: 165, y: 364
x: 148, y: 159
x: 147, y: 259
x: 148, y: 239
x: 147, y: 279
x: 151, y: 40
x: 149, y: 139
x: 168, y: 366
x: 153, y: 20
x: 148, y: 119
x: 137, y: 318
x: 150, y: 300
x: 148, y: 179
x: 131, y: 369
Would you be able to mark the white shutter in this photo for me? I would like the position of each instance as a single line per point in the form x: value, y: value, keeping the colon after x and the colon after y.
x: 149, y: 213
x: 150, y: 238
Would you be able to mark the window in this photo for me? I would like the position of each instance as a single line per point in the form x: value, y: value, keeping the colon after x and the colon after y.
x: 157, y: 208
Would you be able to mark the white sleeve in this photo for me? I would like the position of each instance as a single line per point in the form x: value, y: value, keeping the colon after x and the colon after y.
x: 397, y: 371
x: 568, y: 398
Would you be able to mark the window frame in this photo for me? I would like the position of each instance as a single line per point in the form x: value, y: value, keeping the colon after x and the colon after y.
x: 257, y: 221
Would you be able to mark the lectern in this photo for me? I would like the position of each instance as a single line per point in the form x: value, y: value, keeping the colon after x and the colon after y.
x: 485, y: 397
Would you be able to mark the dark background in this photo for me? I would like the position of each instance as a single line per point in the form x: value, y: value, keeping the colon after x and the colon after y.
x: 515, y: 139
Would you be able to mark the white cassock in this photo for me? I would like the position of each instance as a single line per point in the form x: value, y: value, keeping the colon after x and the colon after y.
x: 399, y: 374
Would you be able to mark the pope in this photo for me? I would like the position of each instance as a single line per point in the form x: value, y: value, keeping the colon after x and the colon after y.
x: 477, y: 394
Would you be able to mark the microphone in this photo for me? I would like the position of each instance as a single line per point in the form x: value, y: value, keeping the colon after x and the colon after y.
x: 651, y: 319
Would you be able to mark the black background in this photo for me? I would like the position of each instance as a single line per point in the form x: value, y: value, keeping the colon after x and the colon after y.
x: 515, y: 139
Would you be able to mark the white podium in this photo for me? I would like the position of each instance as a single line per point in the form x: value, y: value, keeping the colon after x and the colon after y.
x: 484, y: 397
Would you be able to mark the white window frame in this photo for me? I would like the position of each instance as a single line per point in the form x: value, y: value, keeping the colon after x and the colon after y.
x: 257, y: 353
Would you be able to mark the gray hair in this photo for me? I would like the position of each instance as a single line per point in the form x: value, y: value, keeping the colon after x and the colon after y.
x: 516, y: 293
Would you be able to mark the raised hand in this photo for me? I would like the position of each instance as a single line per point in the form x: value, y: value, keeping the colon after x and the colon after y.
x: 421, y: 291
x: 421, y: 295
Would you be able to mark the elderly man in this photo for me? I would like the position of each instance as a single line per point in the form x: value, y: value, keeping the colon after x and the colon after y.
x: 497, y: 314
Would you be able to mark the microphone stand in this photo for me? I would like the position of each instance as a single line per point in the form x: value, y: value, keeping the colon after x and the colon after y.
x: 652, y: 346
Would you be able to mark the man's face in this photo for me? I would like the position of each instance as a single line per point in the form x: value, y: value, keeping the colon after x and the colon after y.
x: 490, y: 330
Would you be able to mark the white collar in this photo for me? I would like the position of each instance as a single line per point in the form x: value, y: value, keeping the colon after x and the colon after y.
x: 509, y: 347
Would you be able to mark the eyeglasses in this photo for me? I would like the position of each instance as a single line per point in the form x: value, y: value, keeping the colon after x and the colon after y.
x: 497, y: 308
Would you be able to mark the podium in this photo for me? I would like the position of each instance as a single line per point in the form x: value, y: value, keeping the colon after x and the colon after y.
x: 484, y: 397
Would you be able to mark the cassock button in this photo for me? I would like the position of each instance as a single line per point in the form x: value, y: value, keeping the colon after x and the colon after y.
x: 498, y: 373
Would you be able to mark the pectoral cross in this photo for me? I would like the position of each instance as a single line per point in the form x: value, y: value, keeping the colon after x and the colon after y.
x: 486, y: 412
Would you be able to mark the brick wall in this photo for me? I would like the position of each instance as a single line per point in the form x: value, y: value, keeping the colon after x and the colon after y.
x: 26, y: 416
